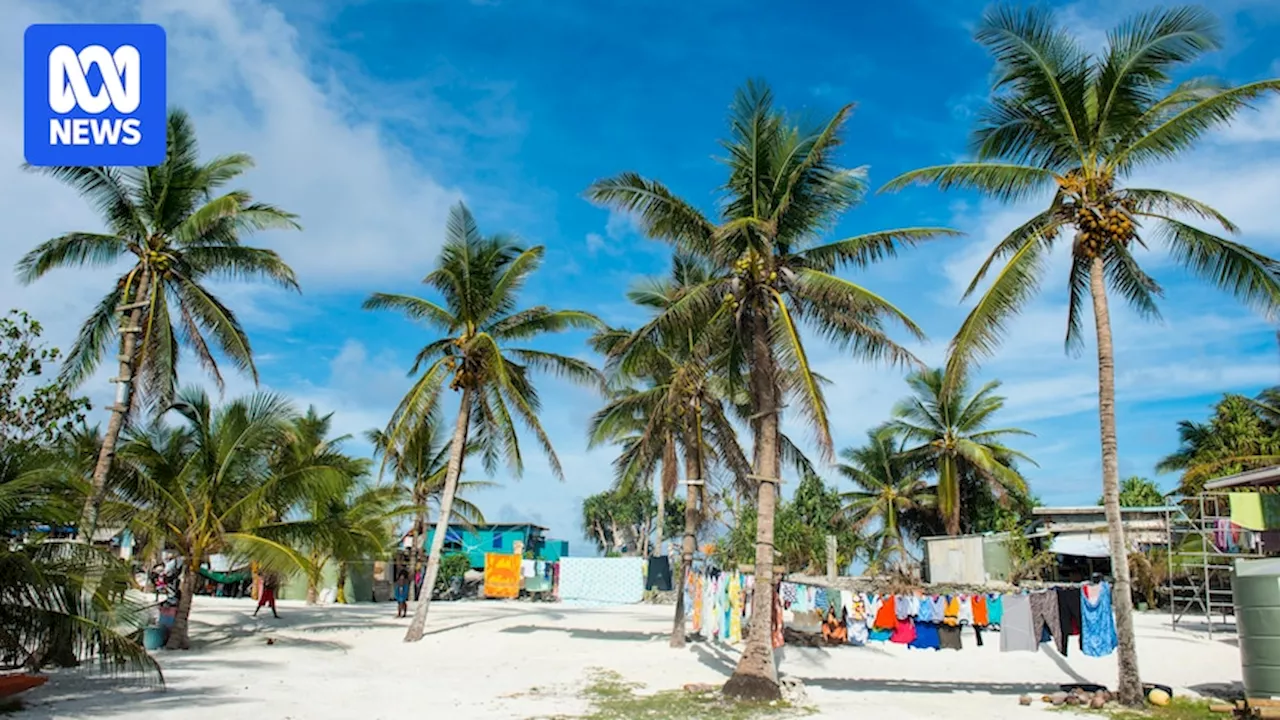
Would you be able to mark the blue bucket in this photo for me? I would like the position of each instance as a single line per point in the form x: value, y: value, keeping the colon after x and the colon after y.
x: 153, y: 637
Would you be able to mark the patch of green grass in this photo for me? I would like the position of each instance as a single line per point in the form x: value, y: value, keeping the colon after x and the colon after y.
x: 613, y: 698
x: 1177, y: 709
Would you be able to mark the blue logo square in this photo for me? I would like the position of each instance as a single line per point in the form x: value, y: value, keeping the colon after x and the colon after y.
x: 94, y: 95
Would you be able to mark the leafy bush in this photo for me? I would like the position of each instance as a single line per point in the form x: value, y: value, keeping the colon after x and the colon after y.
x: 453, y: 565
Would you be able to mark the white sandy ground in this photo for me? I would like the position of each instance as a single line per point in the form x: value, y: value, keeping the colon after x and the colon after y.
x: 521, y: 660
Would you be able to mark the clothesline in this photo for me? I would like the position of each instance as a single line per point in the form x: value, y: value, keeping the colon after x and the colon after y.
x: 721, y: 602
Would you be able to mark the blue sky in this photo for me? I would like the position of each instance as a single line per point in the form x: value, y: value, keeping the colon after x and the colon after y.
x: 369, y: 118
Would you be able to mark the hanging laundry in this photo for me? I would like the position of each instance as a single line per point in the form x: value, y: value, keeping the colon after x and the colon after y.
x: 1016, y: 631
x: 964, y: 616
x: 949, y: 637
x: 904, y: 633
x: 981, y: 618
x: 926, y: 637
x: 1098, y: 624
x: 1069, y: 613
x: 779, y: 638
x: 902, y: 607
x: 951, y: 616
x: 788, y: 594
x: 857, y: 620
x: 1045, y: 619
x: 924, y: 610
x: 696, y: 591
x: 938, y: 608
x: 1246, y: 510
x: 834, y: 631
x: 658, y: 575
x: 995, y: 609
x: 820, y: 599
x: 886, y: 616
x: 735, y: 608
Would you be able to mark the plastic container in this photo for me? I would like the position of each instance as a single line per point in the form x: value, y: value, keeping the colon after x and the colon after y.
x: 153, y: 638
x: 1255, y: 585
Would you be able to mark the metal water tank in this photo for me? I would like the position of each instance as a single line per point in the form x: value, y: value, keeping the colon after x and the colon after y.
x: 1255, y: 587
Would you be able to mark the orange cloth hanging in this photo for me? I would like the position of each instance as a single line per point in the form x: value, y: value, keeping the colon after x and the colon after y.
x: 952, y: 612
x: 887, y: 615
x: 980, y: 616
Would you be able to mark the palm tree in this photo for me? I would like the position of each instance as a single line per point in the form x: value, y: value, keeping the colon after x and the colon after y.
x: 421, y: 462
x: 179, y: 230
x: 785, y: 189
x: 678, y: 407
x: 210, y: 486
x: 951, y: 429
x: 889, y: 484
x: 1062, y: 120
x: 479, y: 279
x: 1240, y: 435
x: 340, y: 517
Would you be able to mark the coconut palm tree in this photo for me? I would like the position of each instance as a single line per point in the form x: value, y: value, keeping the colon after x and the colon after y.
x: 212, y: 485
x: 479, y: 279
x: 768, y: 276
x: 1074, y: 125
x: 889, y: 484
x: 950, y: 429
x: 177, y: 230
x: 677, y: 409
x: 421, y: 463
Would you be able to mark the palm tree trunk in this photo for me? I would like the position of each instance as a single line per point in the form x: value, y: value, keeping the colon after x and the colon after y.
x: 662, y: 517
x: 178, y: 636
x: 456, y: 451
x: 949, y: 489
x: 415, y: 552
x: 756, y: 678
x: 341, y: 596
x: 1121, y: 599
x: 692, y: 476
x: 119, y: 411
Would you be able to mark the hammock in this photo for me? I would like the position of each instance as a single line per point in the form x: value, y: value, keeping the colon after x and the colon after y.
x: 227, y: 578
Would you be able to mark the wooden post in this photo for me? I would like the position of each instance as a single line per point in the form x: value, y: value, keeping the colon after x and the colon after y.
x: 831, y: 558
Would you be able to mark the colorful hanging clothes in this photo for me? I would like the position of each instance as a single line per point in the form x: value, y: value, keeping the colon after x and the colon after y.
x: 1098, y: 624
x: 735, y: 608
x: 965, y: 614
x: 995, y: 609
x: 696, y: 591
x: 857, y: 619
x: 926, y: 637
x: 981, y: 617
x: 1016, y: 631
x: 1045, y: 615
x: 904, y: 633
x: 779, y: 639
x: 886, y: 616
x: 924, y: 610
x: 951, y: 615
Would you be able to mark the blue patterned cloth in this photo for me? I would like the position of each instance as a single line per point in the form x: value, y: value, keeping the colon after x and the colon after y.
x: 1097, y: 623
x: 601, y: 581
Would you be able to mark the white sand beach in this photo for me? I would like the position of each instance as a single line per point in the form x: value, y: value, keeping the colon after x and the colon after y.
x: 520, y: 660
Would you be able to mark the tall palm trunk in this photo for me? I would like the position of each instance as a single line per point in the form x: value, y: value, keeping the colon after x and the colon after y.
x: 415, y: 552
x: 1121, y: 599
x: 949, y: 489
x: 340, y: 597
x: 452, y: 473
x: 756, y: 678
x: 179, y: 633
x: 120, y: 411
x: 692, y: 476
x: 666, y: 484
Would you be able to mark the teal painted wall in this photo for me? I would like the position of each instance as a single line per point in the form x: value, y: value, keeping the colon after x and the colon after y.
x: 499, y: 539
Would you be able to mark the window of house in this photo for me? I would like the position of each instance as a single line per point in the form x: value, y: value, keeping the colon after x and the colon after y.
x: 497, y: 541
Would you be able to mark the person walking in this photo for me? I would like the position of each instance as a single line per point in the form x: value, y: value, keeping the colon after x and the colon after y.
x: 268, y: 595
x: 402, y: 594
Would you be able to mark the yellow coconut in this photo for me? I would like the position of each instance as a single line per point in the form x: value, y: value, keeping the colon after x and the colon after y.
x: 1158, y: 697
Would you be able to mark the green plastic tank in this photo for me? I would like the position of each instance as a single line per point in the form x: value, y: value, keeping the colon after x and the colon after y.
x: 1255, y: 586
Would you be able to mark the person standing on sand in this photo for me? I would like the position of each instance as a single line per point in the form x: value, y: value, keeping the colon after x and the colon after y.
x: 268, y: 595
x: 402, y: 594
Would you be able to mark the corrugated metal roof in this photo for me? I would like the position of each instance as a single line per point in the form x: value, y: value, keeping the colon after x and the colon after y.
x: 1260, y: 477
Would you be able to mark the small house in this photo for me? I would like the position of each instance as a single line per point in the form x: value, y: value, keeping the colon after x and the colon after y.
x: 476, y: 540
x: 977, y: 559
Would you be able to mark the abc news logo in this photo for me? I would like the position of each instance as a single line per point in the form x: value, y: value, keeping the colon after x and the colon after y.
x: 94, y: 95
x: 69, y: 88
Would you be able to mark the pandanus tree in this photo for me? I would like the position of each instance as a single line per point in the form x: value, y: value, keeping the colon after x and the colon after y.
x: 1073, y: 126
x: 888, y: 484
x: 668, y: 406
x: 482, y: 356
x: 948, y: 428
x: 769, y: 274
x: 176, y: 229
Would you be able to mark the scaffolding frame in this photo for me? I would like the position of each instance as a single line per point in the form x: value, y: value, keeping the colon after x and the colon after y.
x: 1205, y: 584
